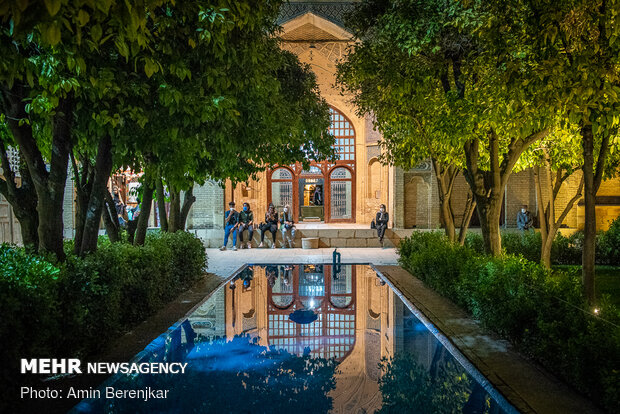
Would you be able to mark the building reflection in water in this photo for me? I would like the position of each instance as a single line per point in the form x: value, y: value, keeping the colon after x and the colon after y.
x: 355, y: 321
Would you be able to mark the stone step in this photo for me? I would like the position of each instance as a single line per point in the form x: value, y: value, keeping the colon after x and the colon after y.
x: 326, y: 237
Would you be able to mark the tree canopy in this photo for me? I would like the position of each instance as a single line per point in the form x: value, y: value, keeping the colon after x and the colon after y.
x: 184, y: 90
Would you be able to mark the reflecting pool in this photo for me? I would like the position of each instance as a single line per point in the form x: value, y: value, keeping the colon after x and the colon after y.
x: 304, y: 338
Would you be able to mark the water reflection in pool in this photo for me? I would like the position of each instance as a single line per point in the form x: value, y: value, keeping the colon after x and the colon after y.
x: 307, y: 339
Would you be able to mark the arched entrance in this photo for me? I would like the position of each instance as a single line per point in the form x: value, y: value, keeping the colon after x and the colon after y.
x: 325, y: 192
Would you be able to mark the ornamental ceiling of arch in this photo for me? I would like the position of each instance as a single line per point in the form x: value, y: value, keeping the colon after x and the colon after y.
x: 308, y: 33
x: 316, y: 32
x: 333, y: 51
x: 334, y: 11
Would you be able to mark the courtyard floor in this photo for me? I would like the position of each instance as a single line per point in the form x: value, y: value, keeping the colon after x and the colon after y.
x: 224, y: 264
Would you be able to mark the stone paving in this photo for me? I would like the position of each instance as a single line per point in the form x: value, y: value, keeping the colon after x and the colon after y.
x: 223, y: 264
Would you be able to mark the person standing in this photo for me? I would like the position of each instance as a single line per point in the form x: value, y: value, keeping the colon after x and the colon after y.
x: 231, y: 223
x: 381, y: 221
x: 246, y: 222
x: 287, y: 227
x: 524, y: 219
x: 119, y: 206
x: 317, y: 198
x: 270, y: 224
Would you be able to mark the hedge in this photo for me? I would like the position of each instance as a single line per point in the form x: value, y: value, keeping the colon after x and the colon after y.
x: 538, y: 310
x: 566, y: 250
x: 75, y: 309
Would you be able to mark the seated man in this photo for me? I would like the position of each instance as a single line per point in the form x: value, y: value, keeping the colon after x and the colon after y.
x: 288, y: 227
x: 270, y: 224
x: 231, y: 223
x: 246, y: 222
x: 524, y: 219
x: 381, y: 221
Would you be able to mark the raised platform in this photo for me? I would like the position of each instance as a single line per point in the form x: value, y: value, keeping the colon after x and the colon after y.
x: 331, y: 236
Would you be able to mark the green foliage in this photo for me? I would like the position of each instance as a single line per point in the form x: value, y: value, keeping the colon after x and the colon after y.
x: 425, y: 253
x: 185, y: 90
x: 77, y: 309
x: 407, y: 386
x: 566, y: 250
x: 527, y: 244
x: 29, y: 304
x: 608, y: 244
x: 544, y: 313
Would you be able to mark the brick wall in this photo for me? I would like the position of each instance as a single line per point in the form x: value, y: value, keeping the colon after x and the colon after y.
x: 519, y: 191
x: 207, y: 212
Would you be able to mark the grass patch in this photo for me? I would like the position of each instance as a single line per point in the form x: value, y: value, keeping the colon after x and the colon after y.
x: 607, y: 281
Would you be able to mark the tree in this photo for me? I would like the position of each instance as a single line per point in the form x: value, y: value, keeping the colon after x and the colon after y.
x: 574, y: 49
x: 555, y: 160
x: 401, y: 78
x: 235, y: 114
x: 184, y: 90
x: 44, y: 52
x: 441, y: 65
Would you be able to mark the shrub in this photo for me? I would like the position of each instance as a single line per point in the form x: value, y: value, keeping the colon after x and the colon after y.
x: 608, y: 246
x: 475, y: 242
x: 76, y: 308
x: 121, y: 284
x: 28, y: 305
x: 566, y: 250
x: 527, y: 244
x: 541, y: 311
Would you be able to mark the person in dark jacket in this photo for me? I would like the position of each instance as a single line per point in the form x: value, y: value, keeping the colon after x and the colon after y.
x: 270, y: 224
x: 381, y: 221
x: 231, y: 223
x: 317, y: 197
x: 524, y: 219
x: 246, y: 222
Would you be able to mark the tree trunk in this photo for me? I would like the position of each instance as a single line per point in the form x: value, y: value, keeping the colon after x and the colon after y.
x: 489, y: 214
x: 589, y: 241
x: 110, y: 218
x: 543, y: 218
x: 49, y: 186
x: 445, y: 177
x: 467, y: 214
x: 549, y: 226
x: 102, y: 170
x: 188, y: 201
x: 545, y: 255
x: 81, y: 204
x: 447, y: 219
x: 23, y: 200
x: 145, y: 213
x: 175, y: 210
x: 51, y: 195
x: 488, y: 186
x: 592, y: 176
x: 161, y: 205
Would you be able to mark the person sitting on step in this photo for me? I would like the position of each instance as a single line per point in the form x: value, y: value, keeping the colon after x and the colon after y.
x: 246, y: 222
x: 287, y: 227
x: 381, y: 221
x: 231, y: 223
x: 270, y: 224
